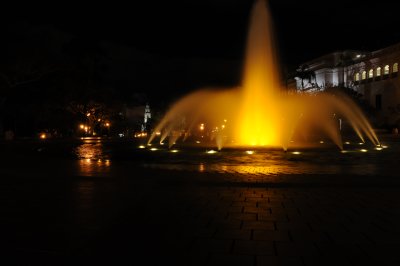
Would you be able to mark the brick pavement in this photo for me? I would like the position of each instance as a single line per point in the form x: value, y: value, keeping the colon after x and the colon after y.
x: 166, y: 217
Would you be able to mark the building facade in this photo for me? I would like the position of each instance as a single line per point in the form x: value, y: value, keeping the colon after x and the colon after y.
x: 374, y: 75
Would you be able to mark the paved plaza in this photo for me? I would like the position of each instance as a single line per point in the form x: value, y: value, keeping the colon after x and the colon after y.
x: 145, y: 216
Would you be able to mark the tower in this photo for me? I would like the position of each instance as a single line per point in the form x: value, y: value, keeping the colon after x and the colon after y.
x: 147, y: 117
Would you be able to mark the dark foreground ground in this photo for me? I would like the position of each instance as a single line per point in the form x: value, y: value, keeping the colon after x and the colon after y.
x: 52, y: 214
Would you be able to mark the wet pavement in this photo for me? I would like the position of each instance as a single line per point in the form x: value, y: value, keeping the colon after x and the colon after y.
x: 319, y: 207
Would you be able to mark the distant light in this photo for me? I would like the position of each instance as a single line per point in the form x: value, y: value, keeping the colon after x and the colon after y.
x: 296, y: 152
x: 321, y: 142
x: 82, y: 126
x: 378, y: 148
x: 88, y: 160
x: 197, y: 142
x: 361, y: 143
x: 174, y: 151
x: 211, y: 151
x: 142, y: 147
x: 99, y: 160
x: 343, y: 151
x: 99, y: 120
x: 347, y: 143
x: 250, y: 152
x: 225, y: 120
x: 291, y: 141
x: 107, y: 124
x: 43, y: 136
x: 384, y: 146
x: 158, y: 133
x: 121, y: 135
x: 153, y: 149
x: 201, y: 167
x: 88, y: 114
x: 223, y: 126
x: 363, y: 150
x: 358, y: 56
x: 149, y: 144
x: 161, y: 143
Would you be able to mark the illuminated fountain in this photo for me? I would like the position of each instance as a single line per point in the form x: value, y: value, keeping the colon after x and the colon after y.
x: 260, y: 112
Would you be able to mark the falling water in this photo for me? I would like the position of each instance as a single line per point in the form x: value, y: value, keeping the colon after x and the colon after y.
x: 259, y: 112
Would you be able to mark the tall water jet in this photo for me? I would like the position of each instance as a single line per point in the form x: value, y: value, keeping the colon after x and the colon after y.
x: 259, y: 112
x: 258, y: 119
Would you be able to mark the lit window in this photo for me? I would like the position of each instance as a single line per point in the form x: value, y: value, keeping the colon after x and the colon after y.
x: 357, y: 77
x: 364, y: 75
x: 395, y: 67
x: 371, y: 73
x: 378, y: 71
x: 386, y: 70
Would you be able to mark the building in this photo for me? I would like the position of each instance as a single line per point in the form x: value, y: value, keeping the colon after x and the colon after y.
x: 374, y: 75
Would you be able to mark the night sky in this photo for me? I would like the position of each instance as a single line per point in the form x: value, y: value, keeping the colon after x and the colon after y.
x: 168, y: 48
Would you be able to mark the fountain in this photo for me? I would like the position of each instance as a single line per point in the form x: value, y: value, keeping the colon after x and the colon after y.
x: 260, y: 112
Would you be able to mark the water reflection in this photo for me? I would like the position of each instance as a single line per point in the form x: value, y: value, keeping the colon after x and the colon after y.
x: 94, y: 159
x: 88, y: 167
x: 92, y: 156
x: 265, y: 162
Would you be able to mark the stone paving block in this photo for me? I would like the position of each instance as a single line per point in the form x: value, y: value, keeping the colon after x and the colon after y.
x: 233, y: 234
x: 256, y: 210
x: 266, y: 204
x: 300, y: 235
x: 231, y: 260
x: 383, y: 238
x: 258, y: 225
x: 251, y: 247
x: 242, y: 216
x: 244, y: 204
x: 346, y: 237
x: 289, y: 226
x: 327, y: 261
x: 204, y: 232
x: 235, y: 209
x: 340, y: 250
x: 225, y: 224
x: 305, y: 248
x: 278, y: 261
x: 385, y: 253
x: 273, y: 217
x: 270, y: 235
x: 212, y: 245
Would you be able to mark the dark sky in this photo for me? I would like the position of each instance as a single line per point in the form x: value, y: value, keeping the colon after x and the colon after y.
x: 217, y: 28
x: 191, y: 41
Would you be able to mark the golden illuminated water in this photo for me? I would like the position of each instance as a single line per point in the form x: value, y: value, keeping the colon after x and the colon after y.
x: 259, y: 112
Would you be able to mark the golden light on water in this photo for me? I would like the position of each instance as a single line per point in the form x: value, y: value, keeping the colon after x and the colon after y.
x: 260, y: 112
x: 153, y: 149
x: 174, y: 151
x: 296, y: 152
x: 364, y: 150
x: 250, y: 152
x: 211, y: 152
x: 142, y: 147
